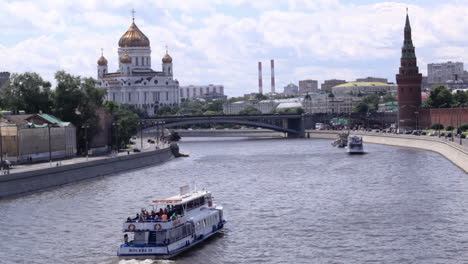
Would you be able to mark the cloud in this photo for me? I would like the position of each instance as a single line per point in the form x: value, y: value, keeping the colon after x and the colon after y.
x: 220, y: 42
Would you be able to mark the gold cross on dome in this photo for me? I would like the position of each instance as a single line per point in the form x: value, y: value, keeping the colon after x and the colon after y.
x: 133, y: 14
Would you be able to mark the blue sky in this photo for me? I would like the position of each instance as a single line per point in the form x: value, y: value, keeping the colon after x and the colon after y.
x: 220, y: 42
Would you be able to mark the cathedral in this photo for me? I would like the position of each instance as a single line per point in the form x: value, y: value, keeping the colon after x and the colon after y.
x: 135, y: 82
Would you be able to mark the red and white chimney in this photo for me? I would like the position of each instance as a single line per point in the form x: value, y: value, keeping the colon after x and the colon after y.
x: 260, y: 85
x: 272, y: 63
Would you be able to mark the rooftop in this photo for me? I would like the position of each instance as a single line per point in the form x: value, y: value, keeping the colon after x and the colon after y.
x: 364, y: 84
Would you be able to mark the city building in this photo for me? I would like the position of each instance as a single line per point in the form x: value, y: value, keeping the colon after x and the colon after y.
x: 264, y: 106
x: 388, y: 107
x: 372, y: 79
x: 328, y: 84
x: 291, y: 89
x: 409, y: 83
x: 440, y: 73
x: 135, y: 82
x: 202, y: 91
x: 330, y: 104
x: 308, y: 86
x: 26, y: 137
x: 364, y: 88
x: 4, y: 77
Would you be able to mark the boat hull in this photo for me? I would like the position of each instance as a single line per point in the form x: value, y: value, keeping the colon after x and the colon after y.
x: 162, y: 252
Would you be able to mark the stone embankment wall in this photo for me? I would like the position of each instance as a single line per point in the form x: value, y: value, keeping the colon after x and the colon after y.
x: 450, y: 150
x: 26, y: 182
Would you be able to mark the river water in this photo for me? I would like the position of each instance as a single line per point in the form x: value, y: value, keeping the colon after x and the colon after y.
x: 286, y: 201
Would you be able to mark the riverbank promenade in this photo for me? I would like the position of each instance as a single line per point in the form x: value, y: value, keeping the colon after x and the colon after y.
x: 452, y: 150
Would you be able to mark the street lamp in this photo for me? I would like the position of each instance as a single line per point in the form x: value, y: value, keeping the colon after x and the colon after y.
x: 417, y: 122
x: 141, y: 133
x: 50, y: 145
x: 1, y: 148
x: 115, y: 125
x: 86, y: 126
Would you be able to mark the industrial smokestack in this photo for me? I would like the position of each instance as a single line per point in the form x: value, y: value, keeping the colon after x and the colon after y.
x: 272, y: 63
x: 260, y: 85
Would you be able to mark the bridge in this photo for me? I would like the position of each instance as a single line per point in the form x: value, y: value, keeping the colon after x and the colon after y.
x: 291, y: 124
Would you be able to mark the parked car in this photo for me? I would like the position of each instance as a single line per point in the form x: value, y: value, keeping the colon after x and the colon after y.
x: 136, y: 150
x: 433, y: 133
x: 463, y: 136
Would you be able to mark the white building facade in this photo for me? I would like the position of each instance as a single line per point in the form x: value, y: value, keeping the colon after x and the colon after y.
x: 135, y: 82
x: 326, y: 104
x: 200, y: 91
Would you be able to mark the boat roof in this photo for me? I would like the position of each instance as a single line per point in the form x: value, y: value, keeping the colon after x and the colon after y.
x: 182, y: 198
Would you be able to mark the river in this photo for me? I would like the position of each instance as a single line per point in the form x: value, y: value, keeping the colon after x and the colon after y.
x: 286, y: 201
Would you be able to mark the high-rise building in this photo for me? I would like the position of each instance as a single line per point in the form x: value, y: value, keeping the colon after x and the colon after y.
x: 440, y: 73
x: 308, y: 86
x: 202, y: 91
x: 409, y: 83
x: 328, y: 84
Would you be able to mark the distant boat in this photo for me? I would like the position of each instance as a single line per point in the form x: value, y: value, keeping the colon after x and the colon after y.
x: 341, y: 141
x: 355, y: 145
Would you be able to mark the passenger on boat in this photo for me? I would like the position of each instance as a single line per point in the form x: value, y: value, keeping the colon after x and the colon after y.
x: 161, y: 211
x: 137, y: 217
x: 153, y: 214
x: 129, y: 219
x: 126, y: 239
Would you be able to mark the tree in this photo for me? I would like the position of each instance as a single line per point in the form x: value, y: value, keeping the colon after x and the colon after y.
x: 249, y: 110
x: 126, y: 119
x: 440, y: 97
x: 372, y: 101
x: 28, y: 92
x: 361, y: 107
x: 449, y: 128
x: 388, y: 98
x: 437, y: 126
x: 76, y: 100
x: 460, y: 98
x: 260, y: 96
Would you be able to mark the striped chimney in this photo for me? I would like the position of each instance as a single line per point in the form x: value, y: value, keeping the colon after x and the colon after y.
x: 272, y: 63
x: 260, y: 85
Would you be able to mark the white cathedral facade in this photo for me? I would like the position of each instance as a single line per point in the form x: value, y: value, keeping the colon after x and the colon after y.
x: 135, y: 82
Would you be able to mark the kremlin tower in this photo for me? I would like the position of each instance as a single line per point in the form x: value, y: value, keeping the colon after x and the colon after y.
x: 409, y: 84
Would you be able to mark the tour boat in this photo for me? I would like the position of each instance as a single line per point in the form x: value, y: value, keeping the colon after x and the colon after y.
x: 174, y: 225
x: 355, y: 145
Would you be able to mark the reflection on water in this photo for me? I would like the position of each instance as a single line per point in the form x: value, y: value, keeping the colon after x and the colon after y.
x: 286, y: 201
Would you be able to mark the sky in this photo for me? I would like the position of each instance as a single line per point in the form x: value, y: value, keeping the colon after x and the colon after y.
x: 221, y: 42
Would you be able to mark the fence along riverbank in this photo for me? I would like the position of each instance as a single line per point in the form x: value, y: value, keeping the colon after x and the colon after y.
x: 29, y: 181
x: 453, y: 151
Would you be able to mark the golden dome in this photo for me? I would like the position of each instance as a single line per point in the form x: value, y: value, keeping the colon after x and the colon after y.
x: 167, y: 58
x: 125, y: 58
x: 102, y: 61
x: 134, y: 38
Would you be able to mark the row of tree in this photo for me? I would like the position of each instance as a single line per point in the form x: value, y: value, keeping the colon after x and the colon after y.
x: 441, y: 97
x: 74, y: 99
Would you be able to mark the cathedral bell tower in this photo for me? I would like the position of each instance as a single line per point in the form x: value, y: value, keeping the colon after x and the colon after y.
x: 167, y: 64
x: 409, y: 84
x: 102, y: 66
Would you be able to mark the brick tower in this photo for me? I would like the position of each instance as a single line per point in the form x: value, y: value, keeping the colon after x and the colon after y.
x: 409, y: 84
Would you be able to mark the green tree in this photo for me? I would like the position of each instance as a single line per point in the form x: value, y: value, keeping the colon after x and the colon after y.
x: 372, y: 100
x: 388, y: 98
x: 437, y: 126
x: 361, y: 107
x: 76, y: 100
x: 450, y: 128
x: 460, y: 98
x: 260, y: 96
x: 126, y: 119
x: 28, y: 92
x: 249, y: 110
x: 440, y: 97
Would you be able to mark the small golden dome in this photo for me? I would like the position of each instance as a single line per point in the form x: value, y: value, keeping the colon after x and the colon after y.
x: 125, y: 58
x: 167, y: 58
x: 134, y: 38
x: 102, y: 61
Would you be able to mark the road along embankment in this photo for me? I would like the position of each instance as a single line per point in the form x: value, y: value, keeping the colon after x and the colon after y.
x: 25, y: 182
x: 450, y: 150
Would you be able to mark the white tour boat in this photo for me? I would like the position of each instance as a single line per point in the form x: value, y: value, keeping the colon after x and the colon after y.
x: 355, y: 145
x: 174, y: 225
